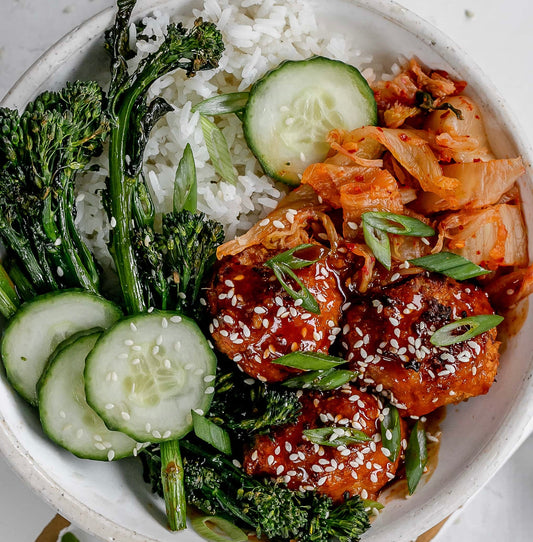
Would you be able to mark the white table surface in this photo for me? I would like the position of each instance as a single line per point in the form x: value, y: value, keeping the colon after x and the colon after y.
x: 498, y: 35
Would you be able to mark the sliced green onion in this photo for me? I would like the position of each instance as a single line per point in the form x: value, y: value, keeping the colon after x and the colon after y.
x: 222, y: 104
x: 391, y: 434
x: 218, y: 150
x: 309, y: 303
x: 283, y: 265
x: 217, y: 529
x: 335, y: 436
x: 330, y: 379
x: 211, y: 433
x: 289, y: 259
x: 378, y: 242
x: 185, y: 185
x: 477, y: 325
x: 69, y: 537
x: 309, y: 361
x: 369, y: 505
x: 397, y: 224
x: 450, y: 264
x: 416, y: 456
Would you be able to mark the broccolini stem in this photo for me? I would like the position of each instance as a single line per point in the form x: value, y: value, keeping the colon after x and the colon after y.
x: 9, y: 300
x: 122, y: 188
x: 73, y: 260
x: 23, y: 286
x: 173, y: 487
x: 21, y: 247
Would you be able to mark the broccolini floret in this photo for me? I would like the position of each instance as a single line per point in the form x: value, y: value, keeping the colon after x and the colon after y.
x: 217, y: 487
x: 40, y: 153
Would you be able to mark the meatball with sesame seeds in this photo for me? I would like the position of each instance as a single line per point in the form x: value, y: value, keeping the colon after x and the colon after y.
x: 256, y: 321
x: 386, y: 337
x: 362, y: 468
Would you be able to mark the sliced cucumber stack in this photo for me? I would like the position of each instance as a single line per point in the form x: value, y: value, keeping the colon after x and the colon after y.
x: 40, y: 325
x: 146, y: 374
x: 65, y: 415
x: 292, y: 108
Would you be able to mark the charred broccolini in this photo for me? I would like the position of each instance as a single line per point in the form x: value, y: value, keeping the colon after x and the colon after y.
x: 40, y: 153
x: 216, y: 487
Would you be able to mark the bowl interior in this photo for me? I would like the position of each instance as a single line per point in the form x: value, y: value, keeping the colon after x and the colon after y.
x: 111, y: 500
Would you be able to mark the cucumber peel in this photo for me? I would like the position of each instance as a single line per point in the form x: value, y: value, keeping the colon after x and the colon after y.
x: 292, y: 109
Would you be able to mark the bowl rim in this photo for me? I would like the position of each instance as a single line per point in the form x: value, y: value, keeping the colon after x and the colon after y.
x: 518, y: 421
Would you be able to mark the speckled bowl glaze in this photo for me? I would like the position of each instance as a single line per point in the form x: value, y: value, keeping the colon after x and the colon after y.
x: 111, y: 500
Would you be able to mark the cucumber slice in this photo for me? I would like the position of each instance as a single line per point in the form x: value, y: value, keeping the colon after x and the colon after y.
x: 292, y: 108
x: 40, y: 325
x: 65, y: 415
x: 147, y: 373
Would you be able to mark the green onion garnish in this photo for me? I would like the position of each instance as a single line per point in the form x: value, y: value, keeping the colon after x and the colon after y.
x: 283, y: 265
x: 369, y: 505
x: 69, y: 537
x: 330, y: 379
x: 222, y: 104
x: 218, y: 150
x: 450, y: 264
x: 379, y: 244
x: 185, y: 186
x: 477, y: 325
x: 376, y: 226
x: 309, y: 361
x: 416, y: 456
x: 397, y: 224
x: 211, y: 433
x: 335, y: 436
x: 391, y: 435
x: 216, y: 529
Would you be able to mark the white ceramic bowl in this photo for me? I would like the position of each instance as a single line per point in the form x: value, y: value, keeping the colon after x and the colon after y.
x: 111, y: 500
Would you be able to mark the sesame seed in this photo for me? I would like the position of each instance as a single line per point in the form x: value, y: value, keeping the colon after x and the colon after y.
x: 209, y: 390
x: 255, y: 455
x: 364, y: 494
x: 228, y: 319
x: 110, y: 455
x: 99, y: 446
x: 175, y: 319
x: 237, y: 463
x: 164, y: 323
x: 156, y: 434
x: 109, y: 406
x: 264, y: 222
x: 278, y: 224
x: 321, y: 481
x: 395, y: 277
x: 167, y: 434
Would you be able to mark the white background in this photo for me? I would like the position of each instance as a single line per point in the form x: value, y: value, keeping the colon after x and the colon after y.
x: 498, y: 36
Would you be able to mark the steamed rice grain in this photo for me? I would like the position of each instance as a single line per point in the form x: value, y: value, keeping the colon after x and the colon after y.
x: 258, y: 35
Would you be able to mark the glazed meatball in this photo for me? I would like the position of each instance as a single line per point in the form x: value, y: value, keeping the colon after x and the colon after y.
x: 386, y: 337
x: 357, y: 469
x: 255, y: 320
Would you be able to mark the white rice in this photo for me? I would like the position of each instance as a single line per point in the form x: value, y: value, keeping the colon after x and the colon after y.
x: 258, y: 35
